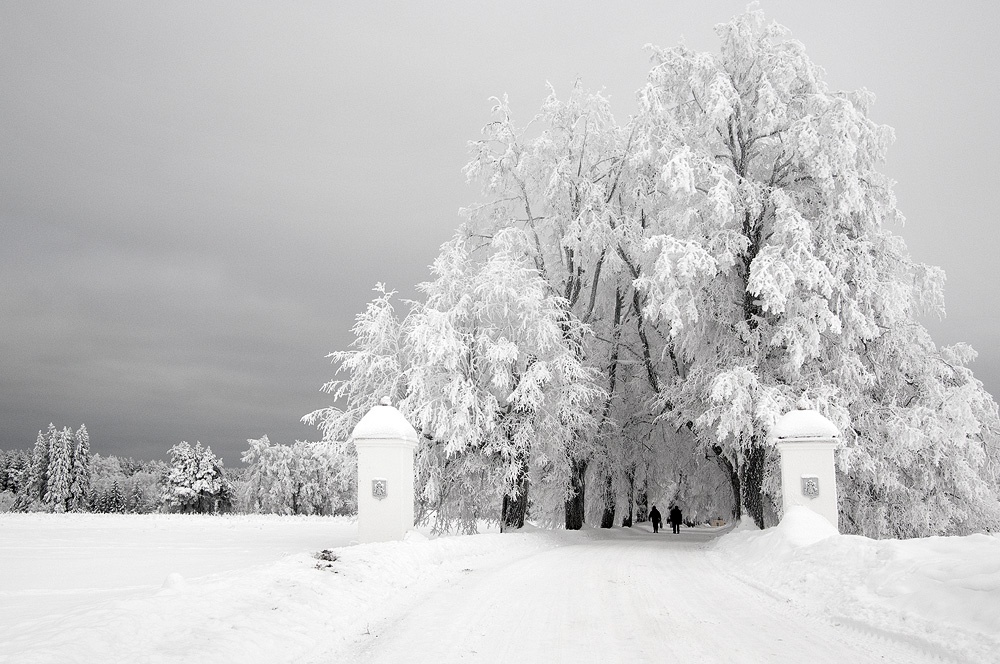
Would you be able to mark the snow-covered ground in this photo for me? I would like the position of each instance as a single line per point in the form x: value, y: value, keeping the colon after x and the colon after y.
x: 106, y: 588
x: 940, y: 593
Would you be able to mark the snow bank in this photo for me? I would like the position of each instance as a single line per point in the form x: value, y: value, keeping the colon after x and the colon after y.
x: 940, y: 592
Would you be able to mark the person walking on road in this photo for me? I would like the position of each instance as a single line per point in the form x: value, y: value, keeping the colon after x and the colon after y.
x: 675, y: 519
x: 654, y: 516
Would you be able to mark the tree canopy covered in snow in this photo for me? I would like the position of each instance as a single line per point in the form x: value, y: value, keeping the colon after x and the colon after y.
x: 195, y: 481
x: 304, y: 478
x: 636, y: 304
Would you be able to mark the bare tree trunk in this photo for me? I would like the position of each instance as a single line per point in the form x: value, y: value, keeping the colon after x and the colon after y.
x: 575, y: 503
x: 515, y: 505
x: 627, y: 519
x: 642, y: 507
x: 515, y: 508
x: 608, y: 517
x: 734, y: 482
x: 752, y: 483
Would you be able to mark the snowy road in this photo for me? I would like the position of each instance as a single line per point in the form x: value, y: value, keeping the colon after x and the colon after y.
x: 170, y: 589
x: 633, y: 597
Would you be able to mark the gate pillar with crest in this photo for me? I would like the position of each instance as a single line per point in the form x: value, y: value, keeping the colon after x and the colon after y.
x: 385, y: 442
x: 807, y: 441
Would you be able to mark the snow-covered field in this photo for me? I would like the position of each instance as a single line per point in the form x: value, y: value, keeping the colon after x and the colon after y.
x: 158, y: 588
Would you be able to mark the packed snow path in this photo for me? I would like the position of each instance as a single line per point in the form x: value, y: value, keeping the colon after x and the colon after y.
x: 632, y: 598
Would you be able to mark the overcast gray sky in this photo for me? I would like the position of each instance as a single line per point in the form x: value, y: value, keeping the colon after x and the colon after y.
x: 196, y: 198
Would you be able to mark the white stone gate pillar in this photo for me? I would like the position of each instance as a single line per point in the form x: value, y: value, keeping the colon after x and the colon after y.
x: 807, y: 440
x: 385, y: 443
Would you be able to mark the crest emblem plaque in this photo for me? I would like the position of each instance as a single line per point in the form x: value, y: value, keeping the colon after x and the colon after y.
x: 380, y: 488
x: 810, y: 486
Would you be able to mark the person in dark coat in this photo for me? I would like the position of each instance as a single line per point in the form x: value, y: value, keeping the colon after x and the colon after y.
x: 675, y: 519
x: 654, y: 516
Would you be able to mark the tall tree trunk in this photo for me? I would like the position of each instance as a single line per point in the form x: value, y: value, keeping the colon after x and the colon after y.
x: 752, y: 483
x: 642, y: 507
x: 608, y: 517
x: 575, y: 503
x: 630, y: 476
x: 734, y: 482
x: 515, y: 504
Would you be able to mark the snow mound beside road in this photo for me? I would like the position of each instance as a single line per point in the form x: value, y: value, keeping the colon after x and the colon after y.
x: 941, y: 591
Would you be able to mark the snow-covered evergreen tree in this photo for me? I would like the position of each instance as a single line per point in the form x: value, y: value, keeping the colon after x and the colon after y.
x: 111, y: 500
x: 15, y: 473
x: 79, y: 487
x: 6, y: 460
x: 40, y: 466
x: 57, y: 493
x: 138, y: 482
x: 195, y: 481
x: 135, y: 500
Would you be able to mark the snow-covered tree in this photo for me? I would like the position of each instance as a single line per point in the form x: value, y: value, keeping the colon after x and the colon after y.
x: 15, y: 471
x: 195, y: 481
x: 111, y: 500
x: 775, y: 273
x: 487, y: 369
x: 496, y: 382
x: 15, y: 479
x: 304, y: 478
x: 79, y: 487
x: 727, y: 252
x: 557, y: 182
x: 139, y: 484
x: 57, y: 491
x: 40, y: 465
x: 744, y: 209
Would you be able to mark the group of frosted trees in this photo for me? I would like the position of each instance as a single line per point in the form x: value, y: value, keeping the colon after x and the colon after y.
x: 304, y: 478
x: 630, y: 307
x: 115, y: 484
x: 58, y: 474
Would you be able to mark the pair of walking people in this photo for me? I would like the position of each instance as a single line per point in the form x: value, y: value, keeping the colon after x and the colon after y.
x: 673, y: 517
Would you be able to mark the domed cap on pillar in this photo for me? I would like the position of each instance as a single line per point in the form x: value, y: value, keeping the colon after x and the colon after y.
x: 385, y: 423
x: 803, y: 423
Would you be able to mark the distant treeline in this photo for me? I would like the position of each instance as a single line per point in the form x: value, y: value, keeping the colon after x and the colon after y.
x: 61, y: 475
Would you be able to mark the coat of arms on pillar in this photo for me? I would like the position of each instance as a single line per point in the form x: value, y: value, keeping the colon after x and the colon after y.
x: 380, y: 488
x: 810, y: 486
